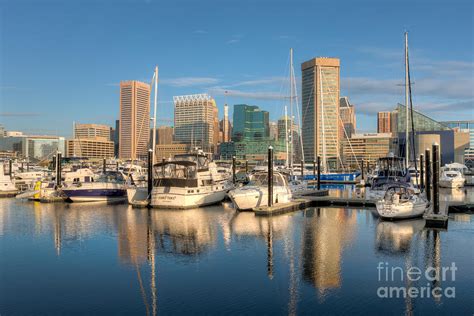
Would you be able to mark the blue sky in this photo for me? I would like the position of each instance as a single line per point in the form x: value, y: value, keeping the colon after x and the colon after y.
x: 61, y: 61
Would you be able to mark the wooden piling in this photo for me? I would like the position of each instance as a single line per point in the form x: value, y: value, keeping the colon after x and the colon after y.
x: 319, y: 173
x: 150, y: 172
x: 270, y: 176
x: 428, y: 174
x: 435, y: 158
x: 422, y: 183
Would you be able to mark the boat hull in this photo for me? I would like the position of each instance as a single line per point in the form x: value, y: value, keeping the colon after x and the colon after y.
x: 452, y: 183
x: 247, y: 198
x: 137, y: 195
x: 339, y: 177
x: 96, y: 195
x: 183, y: 198
x: 401, y: 211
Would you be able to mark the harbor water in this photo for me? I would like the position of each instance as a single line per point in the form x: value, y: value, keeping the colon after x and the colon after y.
x: 114, y: 259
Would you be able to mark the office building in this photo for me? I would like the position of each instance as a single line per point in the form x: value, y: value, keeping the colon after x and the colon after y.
x: 168, y: 151
x: 250, y: 123
x: 134, y: 119
x: 91, y: 131
x: 320, y: 109
x: 90, y: 141
x: 37, y: 147
x: 348, y: 118
x: 273, y: 127
x: 226, y: 129
x: 368, y: 147
x: 384, y: 122
x: 195, y: 121
x: 90, y: 148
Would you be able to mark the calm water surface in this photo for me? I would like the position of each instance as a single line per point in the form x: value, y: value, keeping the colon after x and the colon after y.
x: 104, y: 259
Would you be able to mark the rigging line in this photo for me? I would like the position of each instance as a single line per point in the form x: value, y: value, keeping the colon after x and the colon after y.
x: 300, y: 122
x: 350, y: 144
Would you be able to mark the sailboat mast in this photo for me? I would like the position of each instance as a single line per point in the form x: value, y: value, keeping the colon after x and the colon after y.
x: 154, y: 113
x: 407, y: 156
x: 286, y: 135
x: 291, y: 109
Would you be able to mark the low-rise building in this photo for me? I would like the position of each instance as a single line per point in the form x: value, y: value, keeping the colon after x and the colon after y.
x: 168, y: 151
x: 90, y: 148
x: 366, y: 147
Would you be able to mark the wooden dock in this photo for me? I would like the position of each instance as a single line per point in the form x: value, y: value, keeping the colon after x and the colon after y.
x: 280, y: 208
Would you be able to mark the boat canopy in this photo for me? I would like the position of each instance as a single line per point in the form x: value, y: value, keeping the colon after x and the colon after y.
x: 404, y: 192
x: 261, y: 179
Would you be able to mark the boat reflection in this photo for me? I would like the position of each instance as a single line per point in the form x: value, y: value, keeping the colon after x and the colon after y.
x: 396, y: 237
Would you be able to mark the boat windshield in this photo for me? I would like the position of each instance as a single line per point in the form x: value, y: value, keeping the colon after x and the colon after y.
x: 110, y: 177
x: 175, y: 170
x: 261, y: 179
x: 404, y: 193
x: 201, y: 160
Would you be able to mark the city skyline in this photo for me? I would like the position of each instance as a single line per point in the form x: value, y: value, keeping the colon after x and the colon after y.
x: 84, y: 60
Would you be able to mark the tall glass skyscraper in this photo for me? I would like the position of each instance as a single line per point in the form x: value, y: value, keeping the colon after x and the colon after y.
x: 250, y: 123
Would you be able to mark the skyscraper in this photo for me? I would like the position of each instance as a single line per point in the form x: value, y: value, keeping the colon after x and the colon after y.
x: 195, y: 120
x: 320, y: 109
x: 348, y: 118
x: 226, y: 125
x: 134, y: 119
x: 384, y: 122
x: 250, y: 123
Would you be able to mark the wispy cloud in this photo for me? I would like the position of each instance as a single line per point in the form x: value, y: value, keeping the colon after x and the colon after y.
x: 252, y: 95
x: 113, y: 84
x: 18, y: 114
x: 259, y: 82
x: 233, y: 41
x: 189, y: 81
x: 200, y: 32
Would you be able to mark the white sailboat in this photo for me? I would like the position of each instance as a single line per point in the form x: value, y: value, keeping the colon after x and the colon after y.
x: 255, y: 194
x: 402, y: 201
x: 137, y: 188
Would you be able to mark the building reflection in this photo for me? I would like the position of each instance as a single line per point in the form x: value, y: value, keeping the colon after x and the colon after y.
x: 325, y: 234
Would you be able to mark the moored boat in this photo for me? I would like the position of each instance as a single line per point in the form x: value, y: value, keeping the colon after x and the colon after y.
x: 402, y: 202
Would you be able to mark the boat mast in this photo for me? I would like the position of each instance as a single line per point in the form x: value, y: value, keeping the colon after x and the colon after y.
x: 407, y: 156
x: 291, y: 110
x: 154, y: 113
x: 322, y: 119
x: 286, y: 135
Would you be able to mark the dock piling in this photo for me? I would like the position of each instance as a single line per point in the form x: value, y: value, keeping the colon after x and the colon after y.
x: 362, y: 171
x: 319, y: 173
x: 435, y: 158
x: 246, y: 166
x: 428, y: 174
x: 270, y: 176
x: 314, y: 169
x: 58, y: 169
x: 150, y: 172
x: 10, y: 166
x: 233, y: 169
x: 422, y: 184
x: 302, y: 170
x: 104, y: 165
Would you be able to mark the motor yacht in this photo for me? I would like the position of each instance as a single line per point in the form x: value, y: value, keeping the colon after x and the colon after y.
x: 188, y: 181
x: 255, y: 193
x: 108, y: 186
x: 452, y: 176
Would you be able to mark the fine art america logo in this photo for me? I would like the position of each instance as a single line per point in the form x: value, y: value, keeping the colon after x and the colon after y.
x: 433, y: 277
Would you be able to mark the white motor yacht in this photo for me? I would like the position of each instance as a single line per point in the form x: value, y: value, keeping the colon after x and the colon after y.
x: 452, y: 176
x: 188, y: 181
x: 402, y: 202
x: 7, y: 186
x: 255, y: 193
x: 107, y: 187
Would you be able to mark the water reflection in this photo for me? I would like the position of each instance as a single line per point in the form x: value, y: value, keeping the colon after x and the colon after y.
x: 296, y: 254
x: 325, y: 234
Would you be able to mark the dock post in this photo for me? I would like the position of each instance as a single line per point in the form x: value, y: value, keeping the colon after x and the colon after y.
x: 233, y: 169
x: 27, y: 165
x: 150, y: 172
x: 435, y: 158
x: 104, y: 165
x: 428, y: 174
x: 270, y: 176
x: 422, y: 183
x: 302, y: 170
x: 58, y: 169
x: 362, y: 171
x: 246, y: 167
x: 314, y: 169
x: 116, y: 166
x: 163, y: 167
x: 319, y: 173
